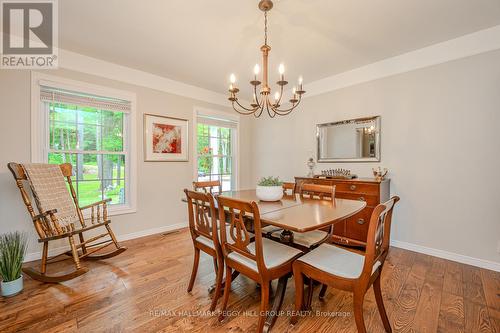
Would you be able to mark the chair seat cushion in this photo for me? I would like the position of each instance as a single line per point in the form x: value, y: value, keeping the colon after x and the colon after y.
x: 208, y: 242
x: 306, y: 239
x: 337, y: 261
x: 275, y: 254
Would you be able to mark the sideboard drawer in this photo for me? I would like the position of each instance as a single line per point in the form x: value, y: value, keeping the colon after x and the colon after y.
x: 372, y: 189
x: 357, y: 225
x: 370, y: 200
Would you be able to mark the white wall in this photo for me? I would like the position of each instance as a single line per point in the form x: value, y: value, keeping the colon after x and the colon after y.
x: 160, y: 184
x: 440, y: 141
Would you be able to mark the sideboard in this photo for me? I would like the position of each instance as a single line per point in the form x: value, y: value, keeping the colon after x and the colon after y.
x: 354, y: 230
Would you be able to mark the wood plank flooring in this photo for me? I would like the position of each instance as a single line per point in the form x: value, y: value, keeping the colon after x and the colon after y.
x: 144, y: 290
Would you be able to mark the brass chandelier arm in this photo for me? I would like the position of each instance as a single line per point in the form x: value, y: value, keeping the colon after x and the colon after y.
x: 248, y: 111
x: 258, y: 102
x: 284, y: 112
x: 271, y: 114
x: 278, y: 102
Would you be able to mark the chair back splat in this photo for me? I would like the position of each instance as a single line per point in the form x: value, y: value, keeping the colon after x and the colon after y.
x: 202, y: 215
x: 379, y: 231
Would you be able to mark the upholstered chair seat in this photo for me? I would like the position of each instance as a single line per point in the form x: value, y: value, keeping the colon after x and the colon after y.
x: 337, y: 261
x: 275, y: 254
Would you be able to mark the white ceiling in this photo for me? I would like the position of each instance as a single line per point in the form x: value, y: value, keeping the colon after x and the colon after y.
x: 200, y: 42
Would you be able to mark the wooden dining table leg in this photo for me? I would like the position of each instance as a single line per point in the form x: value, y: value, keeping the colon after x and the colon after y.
x: 278, y: 301
x: 322, y: 292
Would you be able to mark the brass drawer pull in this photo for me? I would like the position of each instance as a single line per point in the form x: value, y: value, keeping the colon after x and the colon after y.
x: 361, y: 199
x: 352, y: 187
x: 361, y: 221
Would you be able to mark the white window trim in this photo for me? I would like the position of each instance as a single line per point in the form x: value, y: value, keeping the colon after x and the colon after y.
x: 39, y: 125
x: 201, y: 111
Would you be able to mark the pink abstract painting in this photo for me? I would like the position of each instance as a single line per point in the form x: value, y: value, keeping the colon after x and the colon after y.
x: 166, y: 139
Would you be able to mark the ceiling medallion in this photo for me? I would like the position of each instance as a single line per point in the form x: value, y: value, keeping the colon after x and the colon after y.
x: 259, y: 104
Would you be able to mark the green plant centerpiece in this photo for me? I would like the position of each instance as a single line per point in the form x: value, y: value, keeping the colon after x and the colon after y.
x: 12, y: 250
x: 269, y: 189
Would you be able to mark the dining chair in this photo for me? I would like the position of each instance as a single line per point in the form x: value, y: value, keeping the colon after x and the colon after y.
x: 261, y: 260
x: 204, y: 232
x: 312, y: 238
x: 350, y: 271
x: 208, y: 186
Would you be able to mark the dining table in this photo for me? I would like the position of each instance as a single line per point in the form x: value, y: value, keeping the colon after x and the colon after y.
x: 292, y: 214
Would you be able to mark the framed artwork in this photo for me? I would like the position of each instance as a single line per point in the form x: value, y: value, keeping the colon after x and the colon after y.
x: 165, y: 139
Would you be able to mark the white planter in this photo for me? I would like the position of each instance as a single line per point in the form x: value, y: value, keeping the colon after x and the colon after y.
x: 12, y: 288
x: 269, y: 193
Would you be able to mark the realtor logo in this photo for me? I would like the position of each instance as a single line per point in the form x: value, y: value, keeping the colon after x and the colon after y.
x: 29, y: 38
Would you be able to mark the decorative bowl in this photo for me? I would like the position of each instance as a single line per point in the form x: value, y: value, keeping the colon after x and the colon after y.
x: 269, y: 193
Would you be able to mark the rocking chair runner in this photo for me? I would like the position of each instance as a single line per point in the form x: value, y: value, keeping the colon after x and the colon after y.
x: 59, y: 216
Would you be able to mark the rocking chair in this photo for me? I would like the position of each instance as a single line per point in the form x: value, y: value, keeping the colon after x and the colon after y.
x: 59, y: 216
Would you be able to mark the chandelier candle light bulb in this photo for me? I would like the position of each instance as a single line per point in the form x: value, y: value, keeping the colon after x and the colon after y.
x: 256, y: 70
x: 262, y: 90
x: 281, y: 69
x: 276, y: 96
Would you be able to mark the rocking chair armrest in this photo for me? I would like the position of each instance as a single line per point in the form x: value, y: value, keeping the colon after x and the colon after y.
x: 44, y: 214
x: 105, y: 201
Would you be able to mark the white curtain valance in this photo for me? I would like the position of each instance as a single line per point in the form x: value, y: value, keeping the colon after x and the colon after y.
x: 50, y: 94
x: 216, y: 121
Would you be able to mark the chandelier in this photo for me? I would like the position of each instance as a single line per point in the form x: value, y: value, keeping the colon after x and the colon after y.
x: 259, y: 104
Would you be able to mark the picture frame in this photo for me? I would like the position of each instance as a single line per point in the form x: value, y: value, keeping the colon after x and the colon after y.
x: 166, y: 139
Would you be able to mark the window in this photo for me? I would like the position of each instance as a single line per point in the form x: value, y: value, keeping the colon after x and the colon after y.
x: 215, y: 154
x: 92, y: 133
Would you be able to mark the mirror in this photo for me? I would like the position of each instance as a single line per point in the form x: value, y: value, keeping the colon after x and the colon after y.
x: 354, y: 140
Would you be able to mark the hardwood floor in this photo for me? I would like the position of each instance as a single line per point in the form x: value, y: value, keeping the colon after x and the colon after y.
x: 144, y: 290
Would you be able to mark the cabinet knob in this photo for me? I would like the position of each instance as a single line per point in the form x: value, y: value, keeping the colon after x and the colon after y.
x: 361, y: 221
x: 361, y: 199
x: 352, y: 187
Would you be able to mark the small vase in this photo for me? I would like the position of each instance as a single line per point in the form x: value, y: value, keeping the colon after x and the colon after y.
x: 12, y: 288
x: 311, y: 164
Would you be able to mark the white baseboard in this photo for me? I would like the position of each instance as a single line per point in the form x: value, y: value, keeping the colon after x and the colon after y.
x: 55, y: 251
x: 491, y: 265
x: 153, y: 231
